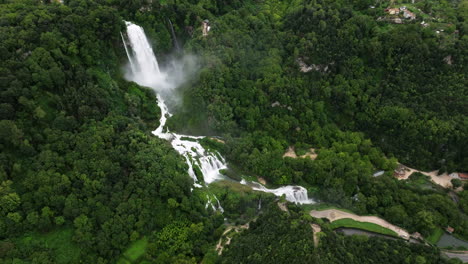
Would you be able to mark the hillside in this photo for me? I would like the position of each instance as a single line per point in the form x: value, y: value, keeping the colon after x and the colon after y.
x: 91, y: 172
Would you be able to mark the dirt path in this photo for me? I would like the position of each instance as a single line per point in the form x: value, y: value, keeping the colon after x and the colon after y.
x: 443, y: 180
x: 283, y: 207
x: 217, y: 140
x: 316, y: 229
x: 291, y: 153
x: 220, y: 246
x: 333, y: 215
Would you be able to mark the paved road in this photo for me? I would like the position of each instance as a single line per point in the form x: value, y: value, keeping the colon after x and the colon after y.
x: 461, y: 255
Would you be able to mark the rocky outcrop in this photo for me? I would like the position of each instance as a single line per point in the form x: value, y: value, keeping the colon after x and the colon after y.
x: 322, y: 68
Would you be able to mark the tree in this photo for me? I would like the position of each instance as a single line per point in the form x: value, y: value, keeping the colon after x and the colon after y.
x: 425, y: 221
x: 456, y: 183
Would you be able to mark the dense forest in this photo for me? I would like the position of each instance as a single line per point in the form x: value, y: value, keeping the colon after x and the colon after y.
x: 82, y: 179
x: 284, y: 237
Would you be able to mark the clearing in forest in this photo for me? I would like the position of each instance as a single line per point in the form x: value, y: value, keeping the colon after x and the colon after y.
x: 444, y: 180
x: 291, y: 153
x: 136, y: 250
x: 333, y: 215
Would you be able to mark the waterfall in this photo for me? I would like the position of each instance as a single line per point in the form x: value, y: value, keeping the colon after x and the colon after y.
x: 292, y: 193
x: 145, y: 66
x: 132, y: 65
x: 146, y: 72
x: 174, y: 38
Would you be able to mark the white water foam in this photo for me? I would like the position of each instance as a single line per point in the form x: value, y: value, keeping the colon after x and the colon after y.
x: 292, y: 193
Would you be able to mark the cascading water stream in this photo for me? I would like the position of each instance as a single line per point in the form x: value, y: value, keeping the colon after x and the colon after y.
x: 174, y: 37
x: 130, y: 59
x: 146, y: 72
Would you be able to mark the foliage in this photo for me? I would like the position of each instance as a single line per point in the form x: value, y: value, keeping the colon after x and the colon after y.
x: 434, y: 237
x: 76, y: 144
x: 379, y: 93
x: 57, y: 243
x: 135, y: 251
x: 287, y: 238
x: 456, y: 183
x: 275, y: 236
x: 77, y: 153
x: 240, y: 203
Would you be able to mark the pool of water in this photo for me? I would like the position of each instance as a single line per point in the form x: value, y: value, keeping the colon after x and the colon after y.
x: 448, y: 240
x: 354, y: 231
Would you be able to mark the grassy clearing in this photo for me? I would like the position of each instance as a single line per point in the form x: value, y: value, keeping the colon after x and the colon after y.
x: 435, y: 236
x: 59, y: 240
x: 350, y: 223
x: 136, y: 250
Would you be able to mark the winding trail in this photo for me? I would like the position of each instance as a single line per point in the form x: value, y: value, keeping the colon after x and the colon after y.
x: 220, y: 246
x: 443, y: 180
x: 333, y: 215
x: 291, y: 153
x: 316, y: 229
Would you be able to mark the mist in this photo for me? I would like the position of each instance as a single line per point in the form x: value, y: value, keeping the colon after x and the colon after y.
x: 144, y: 69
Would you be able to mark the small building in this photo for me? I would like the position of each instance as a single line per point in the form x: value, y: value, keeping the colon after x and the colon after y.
x: 400, y: 171
x: 408, y: 14
x: 449, y: 229
x: 463, y: 176
x: 418, y: 236
x: 392, y: 11
x: 454, y: 175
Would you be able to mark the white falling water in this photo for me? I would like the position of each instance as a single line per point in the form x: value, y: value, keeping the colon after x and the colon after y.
x: 146, y: 72
x: 145, y: 67
x: 292, y: 193
x: 189, y: 147
x: 130, y: 59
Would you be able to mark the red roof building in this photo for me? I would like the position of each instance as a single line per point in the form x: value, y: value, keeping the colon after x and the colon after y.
x: 463, y: 176
x: 449, y: 229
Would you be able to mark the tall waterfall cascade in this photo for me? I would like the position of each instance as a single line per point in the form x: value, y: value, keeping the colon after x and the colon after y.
x: 146, y: 72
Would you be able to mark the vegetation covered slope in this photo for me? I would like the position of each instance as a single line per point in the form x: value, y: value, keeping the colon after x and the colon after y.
x: 76, y: 149
x: 286, y: 237
x: 394, y: 82
x: 78, y: 163
x: 377, y: 93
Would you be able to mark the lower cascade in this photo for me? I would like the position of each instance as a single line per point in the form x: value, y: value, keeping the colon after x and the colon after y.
x: 295, y: 194
x: 146, y: 72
